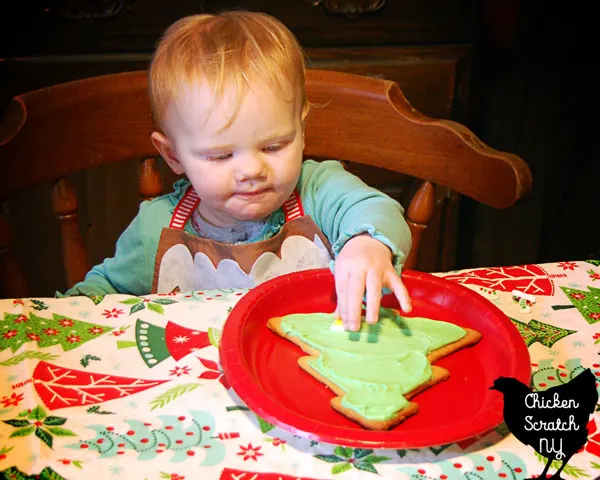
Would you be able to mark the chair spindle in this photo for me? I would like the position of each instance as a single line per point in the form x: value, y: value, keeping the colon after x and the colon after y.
x: 418, y: 216
x: 75, y: 256
x: 151, y: 181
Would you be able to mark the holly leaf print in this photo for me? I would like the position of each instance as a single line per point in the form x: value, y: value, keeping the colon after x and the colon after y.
x: 375, y: 459
x: 341, y: 468
x: 38, y: 414
x: 61, y: 432
x: 16, y: 423
x: 137, y: 308
x: 330, y: 458
x: 156, y: 308
x: 132, y: 301
x: 164, y: 301
x: 44, y: 436
x: 22, y: 432
x: 86, y: 359
x: 343, y: 451
x: 362, y: 452
x: 55, y: 420
x: 38, y: 304
x: 366, y: 467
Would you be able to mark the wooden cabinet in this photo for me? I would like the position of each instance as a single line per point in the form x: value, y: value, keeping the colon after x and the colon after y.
x: 424, y: 45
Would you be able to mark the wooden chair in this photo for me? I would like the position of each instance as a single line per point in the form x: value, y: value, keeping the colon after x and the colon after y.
x: 51, y: 133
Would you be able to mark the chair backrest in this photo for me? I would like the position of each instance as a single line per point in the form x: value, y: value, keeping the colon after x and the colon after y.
x: 50, y: 133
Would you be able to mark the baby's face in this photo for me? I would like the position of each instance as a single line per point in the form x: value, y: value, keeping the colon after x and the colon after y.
x: 247, y: 170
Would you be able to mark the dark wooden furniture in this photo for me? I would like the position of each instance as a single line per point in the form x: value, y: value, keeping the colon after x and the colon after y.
x: 423, y: 45
x: 51, y: 133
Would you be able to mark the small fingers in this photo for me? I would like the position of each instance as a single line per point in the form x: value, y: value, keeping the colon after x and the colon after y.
x: 341, y: 290
x: 400, y: 292
x: 356, y: 292
x: 373, y: 298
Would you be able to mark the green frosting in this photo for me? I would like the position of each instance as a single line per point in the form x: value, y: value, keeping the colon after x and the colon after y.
x: 378, y: 364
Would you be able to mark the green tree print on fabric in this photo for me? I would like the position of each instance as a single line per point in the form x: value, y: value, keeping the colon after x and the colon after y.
x: 17, y: 329
x: 546, y: 374
x: 46, y: 474
x: 471, y: 467
x: 347, y: 458
x: 587, y: 302
x: 536, y: 331
x: 186, y: 436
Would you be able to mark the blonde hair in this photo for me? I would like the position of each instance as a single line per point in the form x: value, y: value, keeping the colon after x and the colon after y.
x: 228, y: 49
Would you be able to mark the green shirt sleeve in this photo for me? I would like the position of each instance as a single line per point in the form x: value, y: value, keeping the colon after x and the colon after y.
x: 343, y: 206
x: 131, y: 269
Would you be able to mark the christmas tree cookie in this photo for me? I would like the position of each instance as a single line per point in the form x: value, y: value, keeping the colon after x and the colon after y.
x: 377, y: 370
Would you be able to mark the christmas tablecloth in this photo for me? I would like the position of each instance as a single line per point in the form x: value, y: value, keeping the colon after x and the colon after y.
x: 131, y: 387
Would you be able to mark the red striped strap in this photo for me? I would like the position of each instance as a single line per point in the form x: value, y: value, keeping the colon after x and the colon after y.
x: 189, y: 202
x: 184, y: 209
x: 293, y: 207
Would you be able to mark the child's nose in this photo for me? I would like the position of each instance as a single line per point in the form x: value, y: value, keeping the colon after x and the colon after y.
x: 251, y: 166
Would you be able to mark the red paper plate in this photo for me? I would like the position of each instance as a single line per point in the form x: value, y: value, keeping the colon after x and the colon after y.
x: 262, y: 367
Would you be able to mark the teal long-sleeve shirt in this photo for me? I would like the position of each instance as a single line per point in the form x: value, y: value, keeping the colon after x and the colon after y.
x: 340, y: 204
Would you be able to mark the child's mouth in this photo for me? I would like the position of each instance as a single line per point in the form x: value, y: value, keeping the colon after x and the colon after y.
x: 252, y: 194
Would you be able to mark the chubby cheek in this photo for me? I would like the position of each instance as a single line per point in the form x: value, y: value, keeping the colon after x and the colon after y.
x: 289, y: 169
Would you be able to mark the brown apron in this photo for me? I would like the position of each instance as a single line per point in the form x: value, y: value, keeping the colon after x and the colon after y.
x: 187, y: 262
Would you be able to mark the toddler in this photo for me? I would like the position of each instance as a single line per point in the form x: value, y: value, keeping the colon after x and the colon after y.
x: 228, y: 98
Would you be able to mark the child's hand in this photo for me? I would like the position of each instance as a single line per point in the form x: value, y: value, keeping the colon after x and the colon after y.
x: 365, y: 263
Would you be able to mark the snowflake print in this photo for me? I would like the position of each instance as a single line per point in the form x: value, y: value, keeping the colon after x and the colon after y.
x: 115, y: 469
x: 179, y: 371
x: 594, y: 316
x: 578, y: 296
x: 181, y: 339
x: 51, y: 332
x: 73, y: 339
x: 250, y: 452
x: 96, y: 330
x: 20, y: 319
x: 65, y: 322
x: 114, y: 313
x: 33, y: 337
x: 13, y: 400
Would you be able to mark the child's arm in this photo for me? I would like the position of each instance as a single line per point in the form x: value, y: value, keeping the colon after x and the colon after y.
x: 129, y: 271
x: 344, y: 207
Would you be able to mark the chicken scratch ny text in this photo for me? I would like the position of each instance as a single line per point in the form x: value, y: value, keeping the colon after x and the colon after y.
x: 533, y: 400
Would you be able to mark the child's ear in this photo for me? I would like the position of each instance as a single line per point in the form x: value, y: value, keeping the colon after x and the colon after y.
x: 164, y: 147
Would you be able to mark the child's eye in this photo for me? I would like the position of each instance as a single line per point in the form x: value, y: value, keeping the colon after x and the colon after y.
x: 219, y: 157
x: 275, y: 147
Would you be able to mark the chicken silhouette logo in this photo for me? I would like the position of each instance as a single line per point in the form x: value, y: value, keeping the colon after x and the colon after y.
x: 553, y: 421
